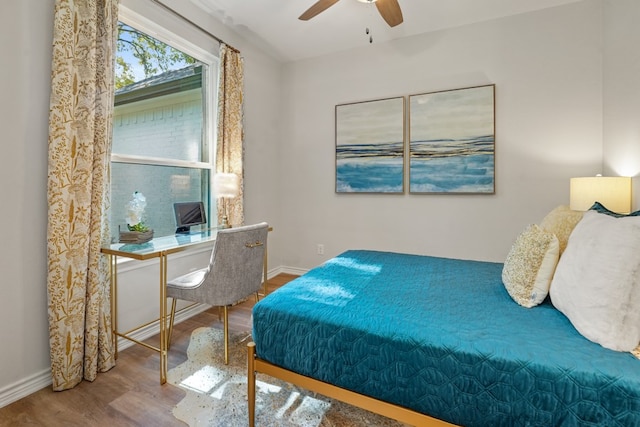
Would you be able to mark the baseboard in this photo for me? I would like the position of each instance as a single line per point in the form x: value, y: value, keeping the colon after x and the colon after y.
x: 287, y: 270
x: 38, y: 381
x: 25, y: 387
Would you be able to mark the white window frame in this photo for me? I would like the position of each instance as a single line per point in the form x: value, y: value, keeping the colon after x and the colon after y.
x: 158, y: 31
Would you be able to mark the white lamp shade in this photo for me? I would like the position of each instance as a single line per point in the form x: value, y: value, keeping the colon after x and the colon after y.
x: 614, y: 193
x: 226, y: 185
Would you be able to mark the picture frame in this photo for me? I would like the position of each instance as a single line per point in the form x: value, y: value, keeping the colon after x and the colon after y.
x: 452, y: 141
x: 370, y: 139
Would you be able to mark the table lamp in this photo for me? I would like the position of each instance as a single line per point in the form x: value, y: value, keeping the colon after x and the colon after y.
x: 226, y: 186
x: 613, y: 192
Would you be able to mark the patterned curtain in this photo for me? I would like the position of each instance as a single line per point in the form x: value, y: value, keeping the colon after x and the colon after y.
x: 230, y: 150
x: 81, y: 108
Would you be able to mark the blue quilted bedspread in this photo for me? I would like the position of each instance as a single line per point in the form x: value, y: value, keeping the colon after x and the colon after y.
x: 443, y: 337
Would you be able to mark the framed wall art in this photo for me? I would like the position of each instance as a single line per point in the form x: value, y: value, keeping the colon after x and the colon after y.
x: 370, y: 146
x: 452, y: 141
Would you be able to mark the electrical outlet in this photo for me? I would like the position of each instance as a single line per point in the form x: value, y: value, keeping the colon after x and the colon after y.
x: 320, y: 249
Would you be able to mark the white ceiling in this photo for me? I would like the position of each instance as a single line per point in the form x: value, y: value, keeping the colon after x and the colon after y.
x: 274, y: 25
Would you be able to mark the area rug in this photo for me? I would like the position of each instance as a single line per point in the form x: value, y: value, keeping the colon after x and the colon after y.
x: 216, y: 394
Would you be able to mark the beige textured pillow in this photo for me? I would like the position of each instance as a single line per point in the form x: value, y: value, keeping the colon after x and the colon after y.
x: 561, y: 221
x: 530, y: 265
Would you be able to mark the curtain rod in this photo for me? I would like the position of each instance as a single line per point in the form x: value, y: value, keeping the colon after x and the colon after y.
x: 184, y: 18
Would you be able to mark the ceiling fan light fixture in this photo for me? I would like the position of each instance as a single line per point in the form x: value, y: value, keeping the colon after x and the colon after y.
x: 388, y: 9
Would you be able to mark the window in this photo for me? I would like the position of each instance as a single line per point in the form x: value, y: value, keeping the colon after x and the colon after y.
x: 163, y: 126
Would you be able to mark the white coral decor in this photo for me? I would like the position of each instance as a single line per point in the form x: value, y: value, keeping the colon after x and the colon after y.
x: 135, y: 212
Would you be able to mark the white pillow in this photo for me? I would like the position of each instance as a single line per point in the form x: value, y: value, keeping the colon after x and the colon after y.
x: 597, y: 280
x: 529, y: 266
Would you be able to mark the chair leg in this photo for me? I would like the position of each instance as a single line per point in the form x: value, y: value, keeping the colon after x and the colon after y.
x: 257, y: 297
x: 226, y: 335
x: 171, y: 318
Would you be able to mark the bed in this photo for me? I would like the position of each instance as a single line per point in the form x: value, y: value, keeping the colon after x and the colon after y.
x: 437, y: 341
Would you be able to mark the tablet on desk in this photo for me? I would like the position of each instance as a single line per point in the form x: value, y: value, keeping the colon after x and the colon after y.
x: 189, y: 214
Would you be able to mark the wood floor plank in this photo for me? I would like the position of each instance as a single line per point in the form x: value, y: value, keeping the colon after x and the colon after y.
x: 129, y: 394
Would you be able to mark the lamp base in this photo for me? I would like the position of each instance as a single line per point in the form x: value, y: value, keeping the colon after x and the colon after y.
x: 225, y: 223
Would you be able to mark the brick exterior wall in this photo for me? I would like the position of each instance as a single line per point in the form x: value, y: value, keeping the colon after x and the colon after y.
x: 162, y: 127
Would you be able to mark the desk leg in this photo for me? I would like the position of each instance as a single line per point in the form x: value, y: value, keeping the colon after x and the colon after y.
x: 163, y: 318
x: 264, y: 265
x: 264, y: 272
x: 113, y: 277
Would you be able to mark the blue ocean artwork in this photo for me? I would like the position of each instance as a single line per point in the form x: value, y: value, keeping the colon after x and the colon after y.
x: 367, y: 168
x: 452, y: 141
x: 466, y: 166
x: 370, y: 147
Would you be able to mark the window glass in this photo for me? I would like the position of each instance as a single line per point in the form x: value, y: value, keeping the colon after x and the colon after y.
x: 161, y: 186
x: 167, y: 126
x: 161, y: 130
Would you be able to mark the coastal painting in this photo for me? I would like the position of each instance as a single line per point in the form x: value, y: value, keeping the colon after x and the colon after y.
x: 370, y: 146
x: 452, y: 141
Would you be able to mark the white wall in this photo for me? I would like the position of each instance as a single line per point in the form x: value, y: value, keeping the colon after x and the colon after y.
x: 547, y: 67
x: 622, y: 91
x: 25, y: 43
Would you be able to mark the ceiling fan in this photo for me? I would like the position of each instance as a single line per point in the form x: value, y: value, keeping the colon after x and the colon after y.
x: 389, y: 10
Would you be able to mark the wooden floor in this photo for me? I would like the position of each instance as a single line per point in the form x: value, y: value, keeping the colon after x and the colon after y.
x: 129, y: 394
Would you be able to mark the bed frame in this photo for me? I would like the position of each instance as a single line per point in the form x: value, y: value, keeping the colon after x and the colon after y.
x: 256, y: 365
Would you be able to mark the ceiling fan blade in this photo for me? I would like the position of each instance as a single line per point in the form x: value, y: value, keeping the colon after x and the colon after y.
x: 390, y: 11
x: 319, y: 6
